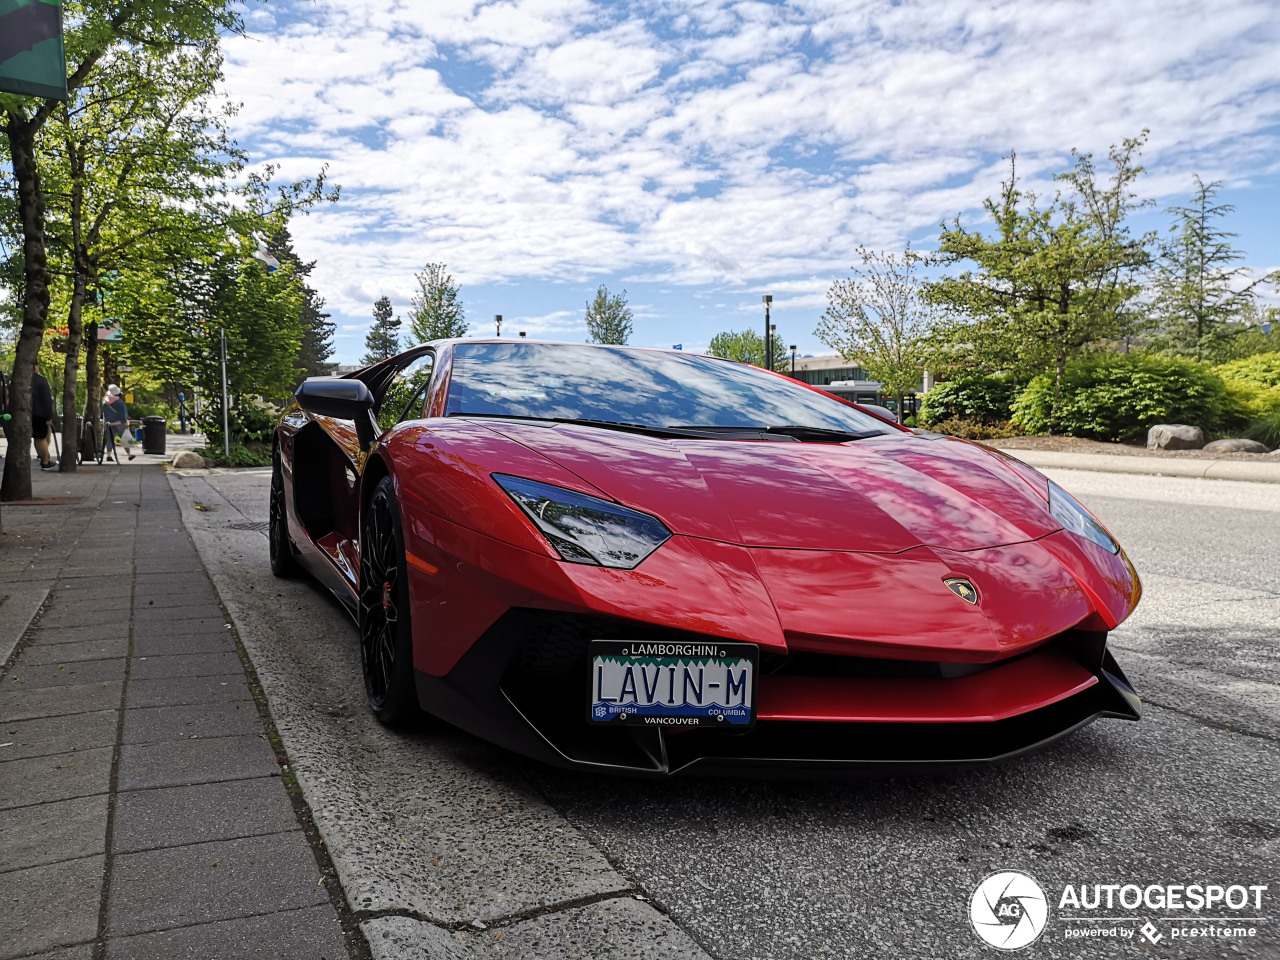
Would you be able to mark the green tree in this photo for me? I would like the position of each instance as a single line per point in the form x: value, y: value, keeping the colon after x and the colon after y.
x: 317, y: 329
x: 880, y: 320
x: 747, y: 346
x: 435, y: 312
x: 96, y: 29
x: 1055, y: 281
x: 383, y: 340
x: 608, y: 317
x: 139, y: 141
x: 1200, y: 298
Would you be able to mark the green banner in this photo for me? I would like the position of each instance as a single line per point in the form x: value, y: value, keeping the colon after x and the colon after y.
x: 32, y: 59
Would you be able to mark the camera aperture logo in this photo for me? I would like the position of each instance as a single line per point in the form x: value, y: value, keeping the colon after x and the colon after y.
x: 1008, y: 910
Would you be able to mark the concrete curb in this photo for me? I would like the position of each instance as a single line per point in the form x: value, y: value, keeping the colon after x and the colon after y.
x: 1263, y: 471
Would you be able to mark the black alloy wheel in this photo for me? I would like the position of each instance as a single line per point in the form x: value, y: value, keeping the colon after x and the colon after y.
x: 386, y: 638
x: 283, y: 564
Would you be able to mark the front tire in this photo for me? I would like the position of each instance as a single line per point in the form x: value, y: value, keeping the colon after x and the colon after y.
x: 386, y: 635
x: 283, y: 564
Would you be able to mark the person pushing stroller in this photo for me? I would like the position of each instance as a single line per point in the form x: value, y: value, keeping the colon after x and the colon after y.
x: 116, y: 416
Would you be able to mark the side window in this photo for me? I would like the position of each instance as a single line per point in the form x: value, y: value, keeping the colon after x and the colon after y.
x: 404, y: 397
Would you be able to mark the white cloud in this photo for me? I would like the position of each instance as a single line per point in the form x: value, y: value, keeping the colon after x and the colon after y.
x: 728, y: 144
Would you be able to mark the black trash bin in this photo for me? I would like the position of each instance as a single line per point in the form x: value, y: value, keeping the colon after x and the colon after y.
x: 153, y: 432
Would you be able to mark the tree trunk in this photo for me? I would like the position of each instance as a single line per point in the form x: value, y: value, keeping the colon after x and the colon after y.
x: 71, y: 372
x: 16, y: 484
x: 92, y: 374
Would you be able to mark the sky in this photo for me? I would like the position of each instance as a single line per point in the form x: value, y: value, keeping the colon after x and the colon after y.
x: 699, y: 154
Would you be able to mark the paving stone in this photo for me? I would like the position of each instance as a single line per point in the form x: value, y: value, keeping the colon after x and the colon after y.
x: 185, y: 665
x: 23, y: 704
x: 36, y: 676
x: 80, y: 633
x: 173, y: 762
x: 152, y: 585
x: 187, y: 611
x: 72, y: 652
x: 178, y: 886
x: 68, y: 599
x: 59, y: 776
x: 61, y: 615
x: 50, y: 906
x: 196, y: 720
x: 174, y: 816
x: 208, y: 641
x: 173, y: 628
x: 53, y: 832
x: 311, y: 933
x: 168, y: 691
x: 49, y: 735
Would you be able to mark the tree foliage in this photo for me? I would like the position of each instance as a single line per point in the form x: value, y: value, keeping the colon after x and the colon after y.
x: 747, y: 346
x: 96, y: 31
x: 383, y: 339
x: 316, y: 346
x: 435, y: 311
x: 1200, y: 293
x: 608, y: 317
x: 880, y: 320
x: 1055, y: 281
x: 140, y: 150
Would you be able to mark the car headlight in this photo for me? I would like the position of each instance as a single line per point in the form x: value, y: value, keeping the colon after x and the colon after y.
x: 585, y: 529
x: 1064, y: 508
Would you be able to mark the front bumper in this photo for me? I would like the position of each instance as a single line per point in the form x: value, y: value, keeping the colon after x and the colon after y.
x: 523, y: 683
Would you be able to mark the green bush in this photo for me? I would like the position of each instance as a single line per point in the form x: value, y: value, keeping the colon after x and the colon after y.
x: 240, y: 457
x: 1121, y: 396
x: 973, y: 430
x: 977, y: 398
x: 1262, y: 370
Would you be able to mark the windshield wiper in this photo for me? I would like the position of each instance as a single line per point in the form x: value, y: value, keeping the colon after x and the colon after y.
x: 644, y: 428
x: 791, y: 431
x: 822, y: 433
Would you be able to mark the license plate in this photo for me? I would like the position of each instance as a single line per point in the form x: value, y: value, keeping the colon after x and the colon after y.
x: 660, y: 684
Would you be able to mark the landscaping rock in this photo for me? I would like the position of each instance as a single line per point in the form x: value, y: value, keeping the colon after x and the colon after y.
x: 1235, y: 446
x: 188, y: 460
x: 1174, y: 436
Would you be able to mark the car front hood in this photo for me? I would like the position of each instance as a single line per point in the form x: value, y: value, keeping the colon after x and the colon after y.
x: 882, y: 495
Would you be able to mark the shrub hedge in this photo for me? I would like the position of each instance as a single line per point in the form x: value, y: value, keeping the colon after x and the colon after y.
x: 1121, y: 396
x: 971, y: 397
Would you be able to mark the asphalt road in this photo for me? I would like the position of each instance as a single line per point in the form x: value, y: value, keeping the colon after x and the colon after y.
x: 434, y: 831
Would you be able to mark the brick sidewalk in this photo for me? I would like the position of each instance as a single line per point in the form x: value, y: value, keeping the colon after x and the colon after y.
x: 142, y: 809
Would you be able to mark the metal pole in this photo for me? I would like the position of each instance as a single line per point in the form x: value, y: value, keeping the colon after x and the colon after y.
x: 793, y: 361
x: 226, y: 433
x: 497, y: 322
x: 768, y: 333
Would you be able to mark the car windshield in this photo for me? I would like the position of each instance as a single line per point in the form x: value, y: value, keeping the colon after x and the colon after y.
x: 648, y: 388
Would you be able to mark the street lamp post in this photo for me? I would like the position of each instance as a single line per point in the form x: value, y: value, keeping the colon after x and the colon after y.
x: 768, y: 332
x: 793, y: 361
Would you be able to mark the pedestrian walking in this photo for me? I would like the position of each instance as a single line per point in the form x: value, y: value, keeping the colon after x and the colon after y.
x: 116, y: 416
x: 41, y: 417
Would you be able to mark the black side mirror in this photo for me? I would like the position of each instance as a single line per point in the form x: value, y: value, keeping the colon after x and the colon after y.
x: 343, y: 399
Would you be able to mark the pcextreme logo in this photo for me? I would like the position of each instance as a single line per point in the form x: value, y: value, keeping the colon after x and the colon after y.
x: 1008, y: 910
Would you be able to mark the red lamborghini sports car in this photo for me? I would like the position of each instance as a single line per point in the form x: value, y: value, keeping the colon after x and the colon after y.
x: 655, y: 562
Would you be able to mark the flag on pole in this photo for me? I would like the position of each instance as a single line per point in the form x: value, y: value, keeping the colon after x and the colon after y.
x: 32, y: 59
x: 263, y: 255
